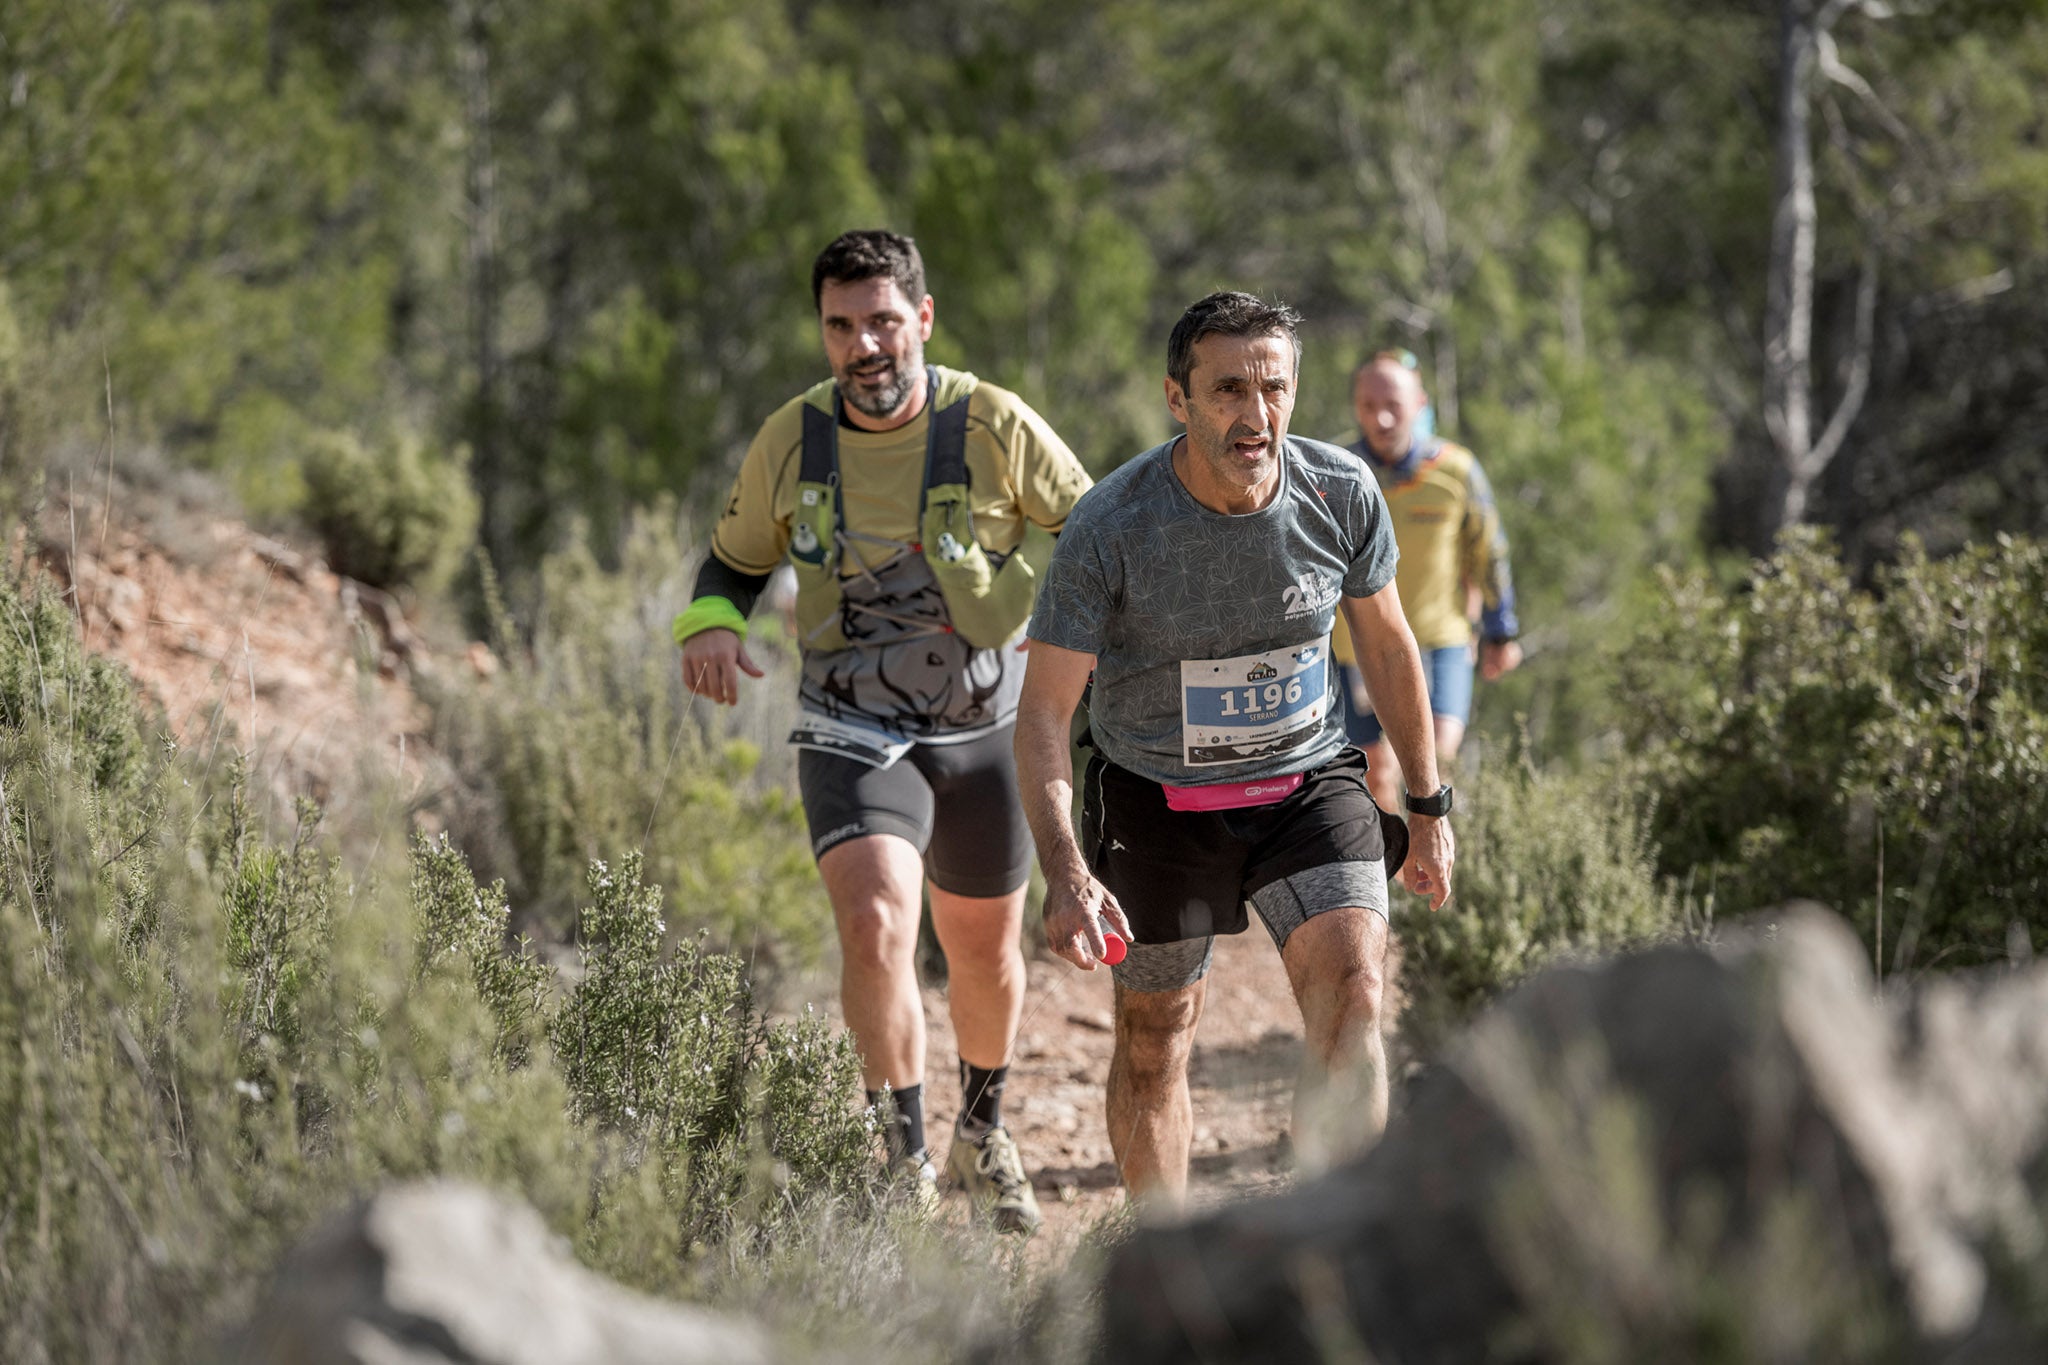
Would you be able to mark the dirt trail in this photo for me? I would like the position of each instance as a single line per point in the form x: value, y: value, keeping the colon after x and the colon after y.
x: 1241, y: 1078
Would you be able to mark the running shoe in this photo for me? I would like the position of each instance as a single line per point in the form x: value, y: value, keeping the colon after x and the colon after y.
x: 915, y: 1181
x: 991, y: 1170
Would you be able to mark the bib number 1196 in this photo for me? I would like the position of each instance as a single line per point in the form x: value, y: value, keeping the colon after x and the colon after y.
x: 1255, y: 706
x: 1260, y: 699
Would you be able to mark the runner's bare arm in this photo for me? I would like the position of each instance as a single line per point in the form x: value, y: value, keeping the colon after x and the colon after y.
x: 1393, y: 673
x: 1076, y: 905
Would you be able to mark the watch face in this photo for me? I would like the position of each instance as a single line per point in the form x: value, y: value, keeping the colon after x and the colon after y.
x: 1437, y: 803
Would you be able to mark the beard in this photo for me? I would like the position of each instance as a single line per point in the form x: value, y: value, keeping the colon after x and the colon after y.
x: 883, y: 399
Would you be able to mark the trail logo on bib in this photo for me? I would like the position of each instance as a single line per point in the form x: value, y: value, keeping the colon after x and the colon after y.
x: 1253, y: 706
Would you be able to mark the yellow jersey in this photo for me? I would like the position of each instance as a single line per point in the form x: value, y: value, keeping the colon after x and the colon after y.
x: 1018, y: 470
x: 1449, y: 531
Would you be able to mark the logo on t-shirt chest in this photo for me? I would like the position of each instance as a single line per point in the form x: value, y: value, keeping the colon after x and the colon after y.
x: 1308, y: 597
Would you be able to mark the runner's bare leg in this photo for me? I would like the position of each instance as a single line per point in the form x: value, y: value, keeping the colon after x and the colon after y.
x: 1337, y: 965
x: 876, y: 884
x: 1450, y: 733
x: 1151, y: 1117
x: 1383, y: 770
x: 1383, y: 775
x: 982, y: 936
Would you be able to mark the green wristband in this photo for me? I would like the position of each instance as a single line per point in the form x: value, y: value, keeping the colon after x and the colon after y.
x: 709, y: 613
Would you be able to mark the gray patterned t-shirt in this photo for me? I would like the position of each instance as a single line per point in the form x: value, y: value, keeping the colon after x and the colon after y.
x: 1211, y: 632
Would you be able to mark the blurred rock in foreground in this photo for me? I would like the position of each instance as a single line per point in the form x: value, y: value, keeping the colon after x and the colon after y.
x: 439, y: 1271
x: 1726, y: 1154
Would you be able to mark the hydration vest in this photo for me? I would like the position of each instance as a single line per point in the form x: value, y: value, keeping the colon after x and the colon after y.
x: 987, y: 597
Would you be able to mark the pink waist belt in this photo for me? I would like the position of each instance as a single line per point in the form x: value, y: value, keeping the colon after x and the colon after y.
x: 1231, y: 795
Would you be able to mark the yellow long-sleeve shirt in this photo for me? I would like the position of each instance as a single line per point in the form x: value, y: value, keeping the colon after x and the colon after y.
x: 1450, y: 535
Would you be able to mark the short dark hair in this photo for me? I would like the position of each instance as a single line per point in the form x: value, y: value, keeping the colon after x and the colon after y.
x: 1231, y: 314
x: 864, y: 254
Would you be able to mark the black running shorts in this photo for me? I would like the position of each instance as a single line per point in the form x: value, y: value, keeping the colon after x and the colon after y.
x: 1188, y: 875
x: 955, y: 803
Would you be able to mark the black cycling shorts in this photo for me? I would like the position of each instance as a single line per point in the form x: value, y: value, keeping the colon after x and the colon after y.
x: 956, y: 804
x: 1182, y: 875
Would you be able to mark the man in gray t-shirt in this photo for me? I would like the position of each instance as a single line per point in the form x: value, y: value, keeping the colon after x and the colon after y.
x: 1197, y: 586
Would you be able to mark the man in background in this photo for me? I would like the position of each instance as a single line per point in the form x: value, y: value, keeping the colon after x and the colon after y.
x: 1453, y: 566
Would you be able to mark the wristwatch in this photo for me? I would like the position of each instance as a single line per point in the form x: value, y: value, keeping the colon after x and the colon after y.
x: 1437, y: 803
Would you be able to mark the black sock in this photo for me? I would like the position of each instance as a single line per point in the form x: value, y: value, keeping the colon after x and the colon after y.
x: 981, y: 1096
x: 903, y: 1129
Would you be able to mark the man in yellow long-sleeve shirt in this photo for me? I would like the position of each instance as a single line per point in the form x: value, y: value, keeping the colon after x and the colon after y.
x: 1454, y: 555
x: 909, y: 501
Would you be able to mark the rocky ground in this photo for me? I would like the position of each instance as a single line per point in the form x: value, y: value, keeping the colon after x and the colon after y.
x: 250, y: 646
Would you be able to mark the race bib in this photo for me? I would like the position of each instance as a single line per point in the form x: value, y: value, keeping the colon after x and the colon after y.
x: 1255, y: 706
x: 857, y: 742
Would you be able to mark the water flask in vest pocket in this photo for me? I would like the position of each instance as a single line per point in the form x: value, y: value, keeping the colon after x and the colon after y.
x: 988, y: 599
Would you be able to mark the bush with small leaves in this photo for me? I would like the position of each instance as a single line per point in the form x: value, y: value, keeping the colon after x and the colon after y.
x: 210, y: 1038
x: 584, y: 744
x: 1881, y: 751
x: 85, y: 702
x: 1550, y: 865
x: 666, y: 1048
x: 464, y: 923
x: 389, y: 514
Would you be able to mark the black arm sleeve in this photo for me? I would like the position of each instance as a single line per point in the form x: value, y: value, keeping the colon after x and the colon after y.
x: 720, y: 579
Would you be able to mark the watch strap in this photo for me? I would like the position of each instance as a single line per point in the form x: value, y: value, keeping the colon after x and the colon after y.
x: 1437, y: 803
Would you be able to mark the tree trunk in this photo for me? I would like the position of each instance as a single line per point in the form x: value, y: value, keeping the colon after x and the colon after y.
x: 472, y: 21
x: 1788, y: 303
x: 1788, y: 299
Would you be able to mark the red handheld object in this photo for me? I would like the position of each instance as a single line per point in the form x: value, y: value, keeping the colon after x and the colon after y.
x: 1113, y: 948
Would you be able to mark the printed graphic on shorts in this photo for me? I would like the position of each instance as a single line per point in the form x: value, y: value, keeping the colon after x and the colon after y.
x: 1253, y: 706
x: 849, y: 739
x: 832, y: 838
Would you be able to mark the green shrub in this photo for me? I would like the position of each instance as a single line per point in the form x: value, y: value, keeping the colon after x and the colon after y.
x: 390, y: 515
x: 1549, y: 865
x: 84, y: 703
x: 585, y: 746
x: 668, y: 1049
x: 1882, y: 751
x: 463, y: 923
x: 206, y: 1041
x: 209, y: 1039
x: 12, y: 368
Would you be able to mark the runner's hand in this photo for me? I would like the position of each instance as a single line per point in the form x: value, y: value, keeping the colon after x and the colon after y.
x: 1499, y: 656
x: 1074, y: 920
x: 1430, y: 854
x: 712, y: 663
